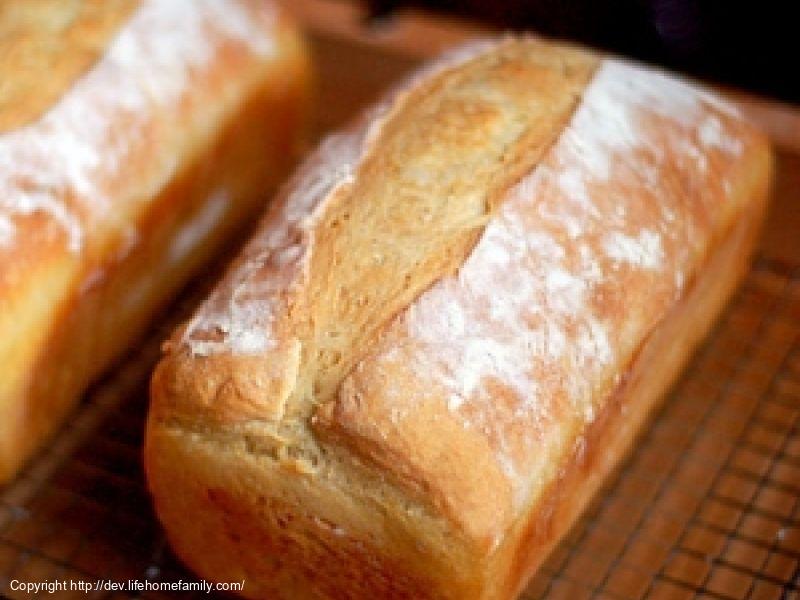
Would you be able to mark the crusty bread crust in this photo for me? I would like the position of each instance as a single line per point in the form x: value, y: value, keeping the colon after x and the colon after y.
x: 516, y: 354
x: 143, y: 164
x: 604, y: 443
x: 59, y: 38
x: 417, y: 350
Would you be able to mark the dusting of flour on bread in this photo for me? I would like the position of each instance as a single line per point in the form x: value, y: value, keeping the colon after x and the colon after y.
x: 65, y: 165
x: 196, y: 230
x: 239, y: 317
x: 278, y: 258
x: 7, y: 231
x: 521, y: 335
x: 643, y: 250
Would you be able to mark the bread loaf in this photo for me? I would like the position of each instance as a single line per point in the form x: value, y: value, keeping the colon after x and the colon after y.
x: 450, y: 327
x: 135, y: 136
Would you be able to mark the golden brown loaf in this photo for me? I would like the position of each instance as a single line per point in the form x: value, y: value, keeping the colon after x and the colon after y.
x: 134, y: 137
x: 451, y: 326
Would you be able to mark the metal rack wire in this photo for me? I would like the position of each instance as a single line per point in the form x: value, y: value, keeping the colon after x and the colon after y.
x: 707, y: 507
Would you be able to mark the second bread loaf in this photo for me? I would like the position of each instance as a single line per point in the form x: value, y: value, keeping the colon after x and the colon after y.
x: 135, y: 137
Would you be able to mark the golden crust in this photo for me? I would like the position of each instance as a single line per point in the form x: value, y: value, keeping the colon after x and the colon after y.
x: 182, y: 166
x: 602, y: 281
x: 652, y: 370
x: 62, y: 38
x: 438, y: 417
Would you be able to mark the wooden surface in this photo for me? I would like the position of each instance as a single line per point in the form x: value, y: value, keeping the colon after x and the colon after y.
x: 709, y: 505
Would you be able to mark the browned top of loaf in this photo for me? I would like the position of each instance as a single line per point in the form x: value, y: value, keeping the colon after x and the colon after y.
x: 452, y: 288
x: 126, y: 93
x: 478, y: 392
x: 118, y: 75
x: 45, y: 45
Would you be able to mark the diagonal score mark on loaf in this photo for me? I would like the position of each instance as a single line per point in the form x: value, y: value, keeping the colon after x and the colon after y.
x: 478, y: 392
x: 375, y: 217
x: 467, y: 507
x: 451, y: 150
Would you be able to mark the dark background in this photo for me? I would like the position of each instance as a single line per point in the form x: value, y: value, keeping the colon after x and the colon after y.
x: 752, y: 45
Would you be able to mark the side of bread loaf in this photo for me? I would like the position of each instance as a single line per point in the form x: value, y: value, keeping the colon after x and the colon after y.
x: 451, y: 326
x: 160, y: 130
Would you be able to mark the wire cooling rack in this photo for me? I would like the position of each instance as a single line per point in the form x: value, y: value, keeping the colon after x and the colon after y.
x: 708, y: 506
